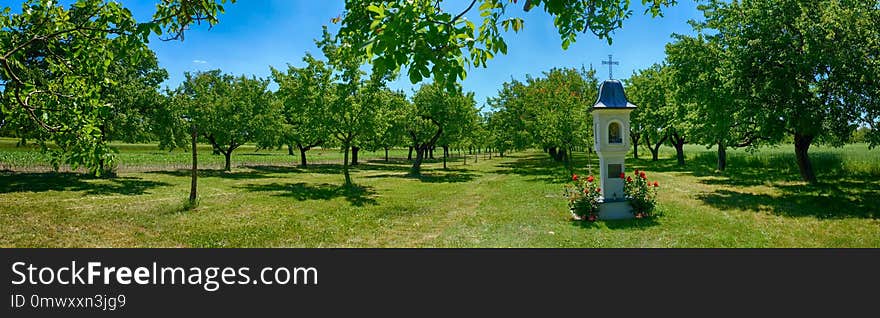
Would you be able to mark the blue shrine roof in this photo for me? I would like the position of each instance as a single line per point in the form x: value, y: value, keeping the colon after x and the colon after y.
x: 611, y: 95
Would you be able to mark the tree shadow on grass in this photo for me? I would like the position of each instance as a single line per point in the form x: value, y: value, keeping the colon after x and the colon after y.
x: 354, y: 194
x: 449, y: 176
x: 215, y: 173
x: 90, y: 185
x: 325, y: 168
x: 842, y: 199
x: 840, y: 193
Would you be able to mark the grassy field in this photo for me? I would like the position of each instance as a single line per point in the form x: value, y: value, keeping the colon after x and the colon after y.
x: 514, y: 201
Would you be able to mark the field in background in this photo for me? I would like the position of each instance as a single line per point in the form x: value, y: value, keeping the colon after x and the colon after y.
x: 148, y: 157
x: 514, y: 201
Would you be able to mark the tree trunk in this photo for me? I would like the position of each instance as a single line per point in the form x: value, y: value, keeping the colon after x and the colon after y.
x: 635, y: 141
x: 801, y: 149
x: 417, y: 164
x: 722, y: 156
x: 655, y: 147
x: 354, y: 155
x: 228, y: 155
x: 445, y: 154
x: 193, y: 191
x: 679, y: 153
x: 290, y: 149
x: 560, y: 155
x: 552, y: 152
x: 431, y: 152
x: 345, y: 167
x: 386, y: 154
x: 571, y: 159
x: 302, y: 156
x: 409, y: 156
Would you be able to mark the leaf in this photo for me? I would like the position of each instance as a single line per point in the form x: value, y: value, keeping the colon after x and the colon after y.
x: 379, y: 11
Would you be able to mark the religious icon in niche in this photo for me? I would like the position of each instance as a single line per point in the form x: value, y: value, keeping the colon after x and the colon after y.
x: 614, y: 133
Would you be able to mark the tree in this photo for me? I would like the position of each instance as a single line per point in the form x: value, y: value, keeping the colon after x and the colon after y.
x: 432, y: 40
x: 54, y: 62
x: 811, y: 66
x: 648, y: 90
x: 508, y: 120
x: 304, y: 93
x: 175, y: 127
x: 434, y: 111
x: 719, y: 113
x: 390, y: 117
x: 463, y: 120
x: 553, y: 110
x: 352, y: 111
x: 230, y: 111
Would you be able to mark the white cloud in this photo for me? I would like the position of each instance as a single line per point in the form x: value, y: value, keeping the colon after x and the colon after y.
x: 200, y: 62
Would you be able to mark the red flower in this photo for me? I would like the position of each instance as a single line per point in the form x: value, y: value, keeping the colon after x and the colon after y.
x: 629, y: 179
x: 574, y: 177
x: 637, y: 171
x: 598, y: 190
x: 622, y: 175
x: 643, y: 175
x: 591, y: 218
x: 590, y: 179
x: 656, y: 184
x: 586, y: 191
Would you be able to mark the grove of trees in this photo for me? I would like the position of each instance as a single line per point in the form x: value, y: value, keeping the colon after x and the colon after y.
x: 764, y: 72
x: 755, y: 73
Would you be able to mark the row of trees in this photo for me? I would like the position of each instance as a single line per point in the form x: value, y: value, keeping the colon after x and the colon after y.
x: 765, y: 72
x: 60, y: 66
x: 319, y: 104
x: 550, y: 112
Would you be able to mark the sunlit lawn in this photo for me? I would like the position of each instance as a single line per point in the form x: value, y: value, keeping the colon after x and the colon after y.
x: 514, y: 201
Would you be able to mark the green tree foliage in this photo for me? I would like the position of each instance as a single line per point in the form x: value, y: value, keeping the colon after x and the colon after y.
x: 650, y: 90
x: 551, y: 112
x: 507, y: 122
x: 228, y: 111
x: 305, y: 96
x: 861, y: 134
x: 436, y: 111
x: 353, y: 110
x: 387, y: 130
x: 132, y: 97
x: 56, y: 61
x: 433, y: 40
x: 811, y: 66
x: 719, y: 113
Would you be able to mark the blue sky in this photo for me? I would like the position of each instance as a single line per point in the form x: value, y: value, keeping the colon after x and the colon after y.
x: 254, y: 34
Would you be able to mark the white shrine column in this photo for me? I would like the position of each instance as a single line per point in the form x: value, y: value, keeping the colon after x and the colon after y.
x: 612, y: 143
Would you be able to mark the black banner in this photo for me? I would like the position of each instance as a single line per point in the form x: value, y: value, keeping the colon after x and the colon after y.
x: 419, y: 282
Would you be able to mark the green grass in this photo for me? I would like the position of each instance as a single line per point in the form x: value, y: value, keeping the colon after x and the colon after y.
x: 514, y: 201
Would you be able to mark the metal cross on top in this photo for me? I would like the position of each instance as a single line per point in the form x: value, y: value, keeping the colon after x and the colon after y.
x: 610, y: 63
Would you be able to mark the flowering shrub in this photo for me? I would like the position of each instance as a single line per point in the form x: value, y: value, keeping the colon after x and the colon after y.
x: 583, y: 197
x: 642, y: 194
